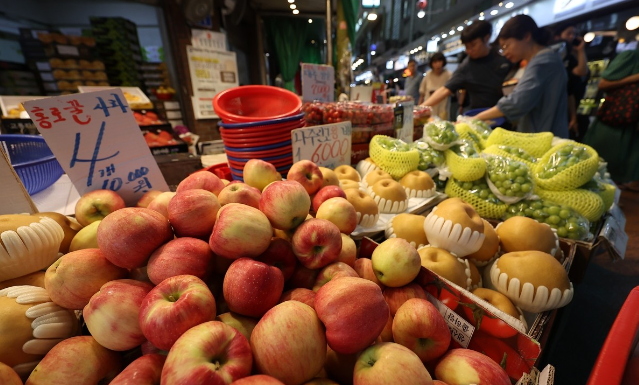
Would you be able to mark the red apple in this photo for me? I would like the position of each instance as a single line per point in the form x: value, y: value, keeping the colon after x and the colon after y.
x: 96, y: 205
x: 128, y: 236
x: 317, y: 243
x: 307, y: 174
x: 280, y: 254
x: 112, y: 314
x: 149, y: 348
x: 300, y: 294
x: 390, y: 363
x: 465, y: 366
x: 146, y: 370
x: 244, y: 325
x: 419, y: 326
x: 73, y: 279
x: 348, y: 254
x: 8, y: 376
x: 354, y: 312
x: 240, y: 193
x: 181, y: 256
x: 302, y: 278
x: 76, y: 360
x: 340, y: 366
x: 286, y: 204
x: 333, y: 271
x: 320, y: 381
x: 251, y: 287
x: 240, y: 232
x: 326, y: 193
x: 341, y: 212
x: 192, y: 213
x: 147, y: 198
x: 209, y: 353
x: 201, y: 180
x: 258, y: 379
x: 289, y: 343
x: 364, y: 267
x: 396, y: 296
x: 387, y: 334
x: 173, y: 307
x: 161, y: 203
x: 259, y: 174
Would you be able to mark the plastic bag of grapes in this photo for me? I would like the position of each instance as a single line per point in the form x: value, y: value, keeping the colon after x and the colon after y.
x: 511, y: 152
x: 605, y: 190
x: 476, y: 129
x: 563, y: 219
x: 536, y: 144
x: 477, y: 194
x: 510, y: 180
x: 393, y: 155
x: 566, y: 167
x: 464, y: 162
x: 441, y: 135
x: 429, y: 157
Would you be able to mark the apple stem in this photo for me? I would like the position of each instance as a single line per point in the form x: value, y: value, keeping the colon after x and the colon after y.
x: 371, y: 362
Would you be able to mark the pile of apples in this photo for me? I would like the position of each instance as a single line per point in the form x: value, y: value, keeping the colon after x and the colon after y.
x: 237, y: 283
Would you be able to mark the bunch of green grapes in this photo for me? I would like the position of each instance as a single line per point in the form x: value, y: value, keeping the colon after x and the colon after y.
x: 519, y: 153
x: 595, y: 185
x: 480, y: 189
x: 466, y: 149
x: 391, y: 144
x: 442, y: 132
x: 481, y: 128
x: 566, y: 157
x: 429, y: 157
x: 511, y: 178
x: 567, y: 222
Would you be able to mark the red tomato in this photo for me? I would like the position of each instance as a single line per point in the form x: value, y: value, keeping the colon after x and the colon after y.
x: 438, y: 288
x: 500, y: 352
x: 486, y: 321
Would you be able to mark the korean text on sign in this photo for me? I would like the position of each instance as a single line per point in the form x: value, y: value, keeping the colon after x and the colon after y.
x: 318, y: 83
x: 326, y: 145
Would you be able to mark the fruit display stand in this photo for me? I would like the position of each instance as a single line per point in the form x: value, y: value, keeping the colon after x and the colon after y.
x: 12, y: 118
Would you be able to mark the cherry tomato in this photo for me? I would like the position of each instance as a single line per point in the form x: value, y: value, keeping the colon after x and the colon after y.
x: 486, y: 321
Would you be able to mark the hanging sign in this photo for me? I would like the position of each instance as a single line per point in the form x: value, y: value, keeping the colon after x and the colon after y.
x: 98, y: 143
x: 318, y: 83
x: 201, y: 38
x: 328, y: 145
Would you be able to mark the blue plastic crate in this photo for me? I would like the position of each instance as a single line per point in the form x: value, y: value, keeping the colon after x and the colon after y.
x: 33, y: 161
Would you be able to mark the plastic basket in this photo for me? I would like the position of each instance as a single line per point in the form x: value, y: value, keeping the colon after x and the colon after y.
x: 256, y: 103
x: 33, y: 161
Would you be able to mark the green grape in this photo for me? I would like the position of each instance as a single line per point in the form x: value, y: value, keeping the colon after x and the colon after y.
x: 553, y: 210
x: 562, y: 218
x: 480, y: 189
x: 562, y: 232
x: 466, y: 150
x: 566, y: 157
x: 509, y: 176
x: 442, y: 132
x: 481, y: 128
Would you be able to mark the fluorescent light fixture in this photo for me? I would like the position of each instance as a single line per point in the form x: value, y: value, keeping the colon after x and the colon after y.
x: 310, y: 21
x: 510, y: 5
x: 296, y: 11
x: 494, y: 12
x: 460, y: 28
x: 632, y: 23
x: 590, y: 36
x: 372, y: 16
x: 293, y: 6
x: 373, y: 53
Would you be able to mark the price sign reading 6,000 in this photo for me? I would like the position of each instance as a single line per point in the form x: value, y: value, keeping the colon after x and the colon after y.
x: 327, y: 145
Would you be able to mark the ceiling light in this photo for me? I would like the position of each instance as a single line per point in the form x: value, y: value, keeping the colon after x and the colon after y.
x: 420, y: 48
x: 324, y: 41
x: 296, y: 11
x: 373, y: 53
x: 470, y: 22
x: 465, y: 21
x: 510, y: 5
x: 590, y: 36
x: 632, y: 23
x: 293, y: 6
x: 267, y: 54
x: 494, y: 12
x: 481, y: 14
x: 291, y: 1
x: 460, y: 28
x: 372, y: 16
x: 501, y: 4
x: 481, y: 18
x: 312, y: 41
x: 444, y: 35
x: 310, y: 21
x: 452, y: 32
x: 421, y: 14
x: 395, y: 80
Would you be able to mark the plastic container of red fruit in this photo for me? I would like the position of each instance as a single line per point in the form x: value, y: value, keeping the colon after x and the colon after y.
x: 358, y: 113
x: 313, y: 112
x: 255, y: 103
x: 421, y: 115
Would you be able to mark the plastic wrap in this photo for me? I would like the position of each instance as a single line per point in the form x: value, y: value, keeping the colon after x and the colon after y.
x: 441, y: 135
x: 363, y: 134
x: 585, y: 202
x: 429, y: 157
x: 359, y: 114
x: 566, y: 167
x: 464, y: 162
x: 421, y: 115
x: 477, y: 194
x: 475, y: 129
x: 512, y: 152
x: 313, y: 113
x: 393, y: 155
x: 605, y: 190
x: 510, y: 180
x: 535, y: 144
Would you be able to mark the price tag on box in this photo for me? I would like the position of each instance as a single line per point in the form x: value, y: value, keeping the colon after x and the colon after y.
x: 404, y: 122
x: 460, y: 329
x: 327, y: 145
x: 318, y: 83
x: 97, y: 141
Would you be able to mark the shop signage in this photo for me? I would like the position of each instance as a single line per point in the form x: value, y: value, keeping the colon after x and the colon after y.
x: 318, y: 83
x: 452, y: 46
x: 460, y: 330
x: 98, y: 143
x: 201, y: 38
x: 328, y: 145
x: 404, y: 122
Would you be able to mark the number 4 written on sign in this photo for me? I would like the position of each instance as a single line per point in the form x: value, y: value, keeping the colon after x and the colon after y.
x: 94, y: 159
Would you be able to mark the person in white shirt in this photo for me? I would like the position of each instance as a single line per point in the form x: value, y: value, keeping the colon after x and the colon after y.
x: 435, y: 78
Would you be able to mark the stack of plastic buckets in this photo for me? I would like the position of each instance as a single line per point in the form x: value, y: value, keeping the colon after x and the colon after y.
x: 256, y: 124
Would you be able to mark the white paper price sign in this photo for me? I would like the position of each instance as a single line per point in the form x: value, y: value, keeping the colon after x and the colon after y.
x: 318, y: 83
x: 327, y: 145
x: 460, y: 329
x: 97, y: 141
x: 404, y: 122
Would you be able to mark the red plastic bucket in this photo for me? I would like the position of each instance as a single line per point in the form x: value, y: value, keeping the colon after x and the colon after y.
x: 259, y: 154
x: 256, y: 141
x: 255, y: 103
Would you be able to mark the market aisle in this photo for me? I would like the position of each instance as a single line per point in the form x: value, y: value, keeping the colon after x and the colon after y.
x: 585, y: 323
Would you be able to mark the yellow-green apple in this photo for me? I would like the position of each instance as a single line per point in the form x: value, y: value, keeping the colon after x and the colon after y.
x: 76, y: 360
x: 201, y: 180
x: 339, y: 366
x: 308, y: 174
x: 419, y: 326
x: 333, y: 271
x: 173, y: 307
x: 354, y: 312
x: 395, y: 262
x: 300, y: 294
x: 348, y: 255
x: 443, y: 263
x: 339, y: 211
x: 243, y: 324
x: 240, y: 193
x: 128, y: 236
x: 146, y: 370
x: 302, y: 277
x: 73, y: 279
x: 180, y: 256
x: 70, y: 227
x: 396, y: 296
x: 251, y: 287
x: 86, y: 238
x: 258, y: 379
x: 326, y: 193
x: 390, y: 363
x: 8, y: 376
x: 387, y: 334
x: 240, y: 231
x: 465, y: 366
x: 286, y: 204
x: 112, y: 314
x: 192, y: 213
x: 280, y: 254
x: 320, y: 381
x: 148, y: 198
x: 161, y: 203
x: 364, y: 268
x: 317, y: 243
x: 289, y: 343
x: 329, y: 177
x: 97, y: 204
x: 209, y: 353
x: 259, y: 174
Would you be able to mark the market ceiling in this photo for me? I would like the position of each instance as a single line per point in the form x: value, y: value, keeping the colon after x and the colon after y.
x: 304, y: 6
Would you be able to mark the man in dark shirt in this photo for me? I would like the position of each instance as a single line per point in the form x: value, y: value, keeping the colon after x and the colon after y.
x: 481, y: 74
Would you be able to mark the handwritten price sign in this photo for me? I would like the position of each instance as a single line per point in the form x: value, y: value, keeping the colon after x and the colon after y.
x: 328, y: 145
x: 460, y: 329
x: 318, y: 83
x: 97, y: 141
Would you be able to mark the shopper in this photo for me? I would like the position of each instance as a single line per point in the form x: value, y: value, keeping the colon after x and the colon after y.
x: 619, y: 144
x: 481, y: 74
x: 436, y: 78
x: 411, y: 84
x: 539, y: 101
